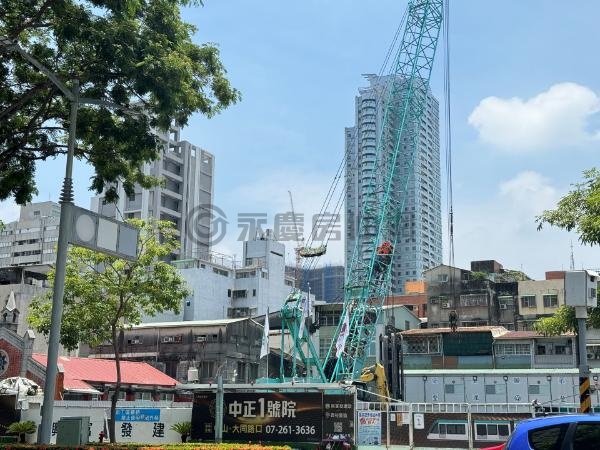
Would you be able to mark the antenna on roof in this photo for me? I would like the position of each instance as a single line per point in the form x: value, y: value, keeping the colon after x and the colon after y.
x: 572, y: 257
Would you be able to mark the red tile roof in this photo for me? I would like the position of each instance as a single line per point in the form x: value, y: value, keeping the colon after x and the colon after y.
x: 81, y: 371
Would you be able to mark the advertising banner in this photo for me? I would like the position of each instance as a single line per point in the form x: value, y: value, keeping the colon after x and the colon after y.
x: 338, y: 416
x: 252, y: 417
x: 369, y: 428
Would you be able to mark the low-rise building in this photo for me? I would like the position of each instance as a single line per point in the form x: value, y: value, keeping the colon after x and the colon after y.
x: 81, y: 378
x: 225, y: 288
x: 391, y: 319
x: 483, y: 296
x: 442, y: 348
x: 18, y: 286
x: 539, y: 298
x: 193, y: 351
x: 531, y: 350
x: 414, y: 298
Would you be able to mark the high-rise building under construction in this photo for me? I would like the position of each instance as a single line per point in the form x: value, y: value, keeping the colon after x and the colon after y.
x: 419, y: 235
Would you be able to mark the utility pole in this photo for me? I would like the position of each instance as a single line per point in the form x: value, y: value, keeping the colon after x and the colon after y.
x: 64, y: 231
x: 581, y: 292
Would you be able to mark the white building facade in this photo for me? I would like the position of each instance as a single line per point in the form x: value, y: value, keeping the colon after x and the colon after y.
x: 419, y: 244
x: 227, y: 289
x: 185, y: 198
x: 33, y: 238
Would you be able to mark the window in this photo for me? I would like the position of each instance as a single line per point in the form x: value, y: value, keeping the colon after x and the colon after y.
x: 36, y: 214
x: 220, y: 272
x: 239, y: 293
x: 247, y: 274
x: 560, y: 349
x: 533, y: 389
x: 506, y: 301
x: 473, y: 300
x: 587, y: 435
x: 547, y: 438
x: 541, y: 350
x: 528, y: 301
x: 490, y: 389
x: 513, y: 349
x: 492, y: 431
x: 131, y: 197
x: 253, y: 292
x: 550, y: 301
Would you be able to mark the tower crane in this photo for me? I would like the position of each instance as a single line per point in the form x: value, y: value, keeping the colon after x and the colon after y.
x: 384, y: 201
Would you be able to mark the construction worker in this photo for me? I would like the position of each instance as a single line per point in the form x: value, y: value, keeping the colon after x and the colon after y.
x: 453, y: 317
x: 383, y: 259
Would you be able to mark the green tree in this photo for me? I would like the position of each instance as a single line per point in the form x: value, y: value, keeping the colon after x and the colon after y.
x: 579, y: 210
x: 105, y: 295
x: 135, y: 53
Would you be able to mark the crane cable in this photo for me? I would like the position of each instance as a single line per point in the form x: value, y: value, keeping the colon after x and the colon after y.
x: 448, y: 145
x: 312, y: 262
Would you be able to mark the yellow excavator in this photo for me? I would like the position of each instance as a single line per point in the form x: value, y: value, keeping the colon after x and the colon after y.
x: 373, y: 380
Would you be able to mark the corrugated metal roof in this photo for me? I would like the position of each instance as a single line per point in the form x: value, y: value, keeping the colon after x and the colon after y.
x: 493, y: 372
x: 529, y: 335
x: 81, y: 371
x: 187, y: 323
x: 496, y: 331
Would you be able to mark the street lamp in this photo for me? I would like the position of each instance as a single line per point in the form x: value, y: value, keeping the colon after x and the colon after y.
x: 64, y: 231
x: 549, y: 379
x: 505, y: 377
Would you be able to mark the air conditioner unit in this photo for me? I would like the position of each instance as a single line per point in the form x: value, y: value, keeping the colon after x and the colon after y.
x: 200, y: 338
x: 503, y: 306
x: 445, y: 304
x: 167, y: 339
x: 135, y: 341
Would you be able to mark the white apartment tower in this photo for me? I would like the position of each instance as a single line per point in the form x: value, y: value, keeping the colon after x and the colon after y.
x: 419, y: 244
x: 188, y: 174
x: 33, y: 238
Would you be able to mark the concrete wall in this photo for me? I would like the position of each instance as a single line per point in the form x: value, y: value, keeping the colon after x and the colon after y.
x: 133, y: 431
x: 519, y: 387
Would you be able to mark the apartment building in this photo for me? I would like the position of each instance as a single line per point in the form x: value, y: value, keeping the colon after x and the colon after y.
x: 539, y: 298
x: 486, y: 295
x: 226, y: 288
x: 185, y: 198
x: 33, y: 238
x: 419, y: 240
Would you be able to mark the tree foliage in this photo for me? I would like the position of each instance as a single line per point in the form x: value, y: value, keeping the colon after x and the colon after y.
x: 136, y: 53
x: 104, y: 294
x: 564, y: 321
x: 579, y: 210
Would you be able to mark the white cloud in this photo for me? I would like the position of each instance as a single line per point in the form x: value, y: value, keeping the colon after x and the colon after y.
x: 503, y: 227
x: 552, y: 119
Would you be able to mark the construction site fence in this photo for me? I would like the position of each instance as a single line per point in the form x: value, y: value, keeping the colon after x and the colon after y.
x: 444, y: 425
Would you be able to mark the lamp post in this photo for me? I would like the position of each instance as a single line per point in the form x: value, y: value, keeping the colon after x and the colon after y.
x: 549, y: 380
x: 64, y: 232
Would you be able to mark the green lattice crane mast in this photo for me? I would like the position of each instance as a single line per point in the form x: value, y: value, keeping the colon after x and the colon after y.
x: 386, y: 189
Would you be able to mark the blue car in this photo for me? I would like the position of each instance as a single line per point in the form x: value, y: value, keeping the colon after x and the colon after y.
x: 569, y: 432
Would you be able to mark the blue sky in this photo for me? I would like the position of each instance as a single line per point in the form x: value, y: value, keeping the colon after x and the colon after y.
x: 525, y: 101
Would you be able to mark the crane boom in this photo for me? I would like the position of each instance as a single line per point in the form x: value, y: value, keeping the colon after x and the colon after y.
x: 405, y: 95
